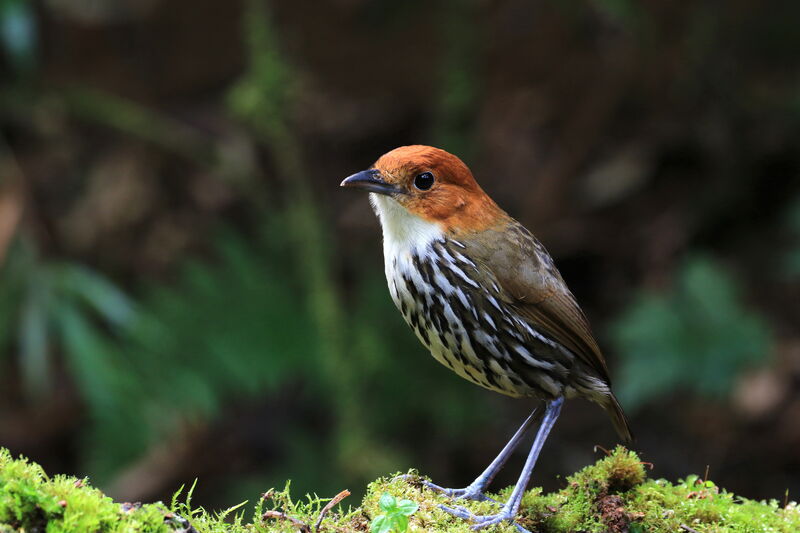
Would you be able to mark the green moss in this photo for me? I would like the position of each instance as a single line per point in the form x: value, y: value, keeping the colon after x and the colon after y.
x: 32, y: 501
x: 612, y: 495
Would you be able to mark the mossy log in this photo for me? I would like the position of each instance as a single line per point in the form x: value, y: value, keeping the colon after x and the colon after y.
x: 613, y: 495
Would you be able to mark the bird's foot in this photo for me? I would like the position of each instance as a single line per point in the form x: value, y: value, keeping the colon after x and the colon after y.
x: 482, y: 521
x: 473, y: 492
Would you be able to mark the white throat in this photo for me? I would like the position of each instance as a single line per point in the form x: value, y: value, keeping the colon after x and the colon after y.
x: 404, y: 233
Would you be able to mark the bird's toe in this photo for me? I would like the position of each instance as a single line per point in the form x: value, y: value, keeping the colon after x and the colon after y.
x: 480, y: 522
x: 467, y: 493
x: 458, y: 512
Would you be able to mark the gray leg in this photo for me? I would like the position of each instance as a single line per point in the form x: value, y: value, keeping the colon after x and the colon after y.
x: 511, y: 507
x: 475, y: 489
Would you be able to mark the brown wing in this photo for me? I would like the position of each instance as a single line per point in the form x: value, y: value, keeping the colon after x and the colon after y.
x: 532, y: 284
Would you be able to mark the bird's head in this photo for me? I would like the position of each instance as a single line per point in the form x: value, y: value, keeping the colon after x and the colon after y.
x: 421, y: 183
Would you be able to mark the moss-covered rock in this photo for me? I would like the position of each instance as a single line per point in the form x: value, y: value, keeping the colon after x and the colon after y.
x: 612, y: 495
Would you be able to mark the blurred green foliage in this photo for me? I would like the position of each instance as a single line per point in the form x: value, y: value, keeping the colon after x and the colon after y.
x: 258, y: 313
x: 221, y: 330
x: 460, y: 81
x: 48, y: 303
x: 698, y: 336
x: 224, y: 329
x: 262, y: 97
x: 235, y: 325
x: 18, y: 32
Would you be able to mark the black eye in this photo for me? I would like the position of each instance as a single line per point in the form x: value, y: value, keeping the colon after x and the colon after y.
x: 423, y: 181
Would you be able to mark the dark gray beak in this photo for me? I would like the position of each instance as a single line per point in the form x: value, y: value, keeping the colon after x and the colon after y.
x: 370, y: 181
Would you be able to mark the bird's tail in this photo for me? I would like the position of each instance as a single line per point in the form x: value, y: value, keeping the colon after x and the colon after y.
x: 618, y: 418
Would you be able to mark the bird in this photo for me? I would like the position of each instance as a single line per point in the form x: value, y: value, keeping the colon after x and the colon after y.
x: 484, y: 296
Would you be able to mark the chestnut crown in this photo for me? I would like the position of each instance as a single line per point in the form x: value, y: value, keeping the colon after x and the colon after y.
x: 433, y: 185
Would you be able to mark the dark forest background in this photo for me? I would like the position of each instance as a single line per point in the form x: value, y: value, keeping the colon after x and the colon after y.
x: 186, y: 292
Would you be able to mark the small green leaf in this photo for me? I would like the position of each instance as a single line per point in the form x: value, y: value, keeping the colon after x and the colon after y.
x: 407, y: 507
x: 381, y: 524
x: 400, y: 522
x: 387, y: 502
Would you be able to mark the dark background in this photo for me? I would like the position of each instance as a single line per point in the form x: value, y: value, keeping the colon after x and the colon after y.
x: 186, y: 292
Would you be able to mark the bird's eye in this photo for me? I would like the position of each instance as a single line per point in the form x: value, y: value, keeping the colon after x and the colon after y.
x: 423, y: 181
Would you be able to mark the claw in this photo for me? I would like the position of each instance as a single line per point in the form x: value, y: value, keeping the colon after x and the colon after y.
x: 481, y: 522
x: 490, y: 520
x: 458, y: 512
x: 482, y: 525
x: 467, y: 493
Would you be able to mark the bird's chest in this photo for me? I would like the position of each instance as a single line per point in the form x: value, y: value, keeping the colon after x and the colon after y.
x: 437, y: 293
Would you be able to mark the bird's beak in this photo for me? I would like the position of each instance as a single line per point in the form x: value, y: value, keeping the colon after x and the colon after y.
x: 371, y: 181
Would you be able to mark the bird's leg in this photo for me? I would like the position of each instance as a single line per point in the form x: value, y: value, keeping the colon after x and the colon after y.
x: 509, y: 510
x: 474, y: 491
